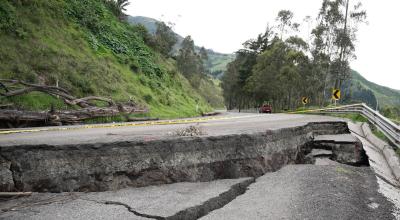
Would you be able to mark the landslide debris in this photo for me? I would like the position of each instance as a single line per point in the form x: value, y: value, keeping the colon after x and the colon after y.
x: 190, y: 131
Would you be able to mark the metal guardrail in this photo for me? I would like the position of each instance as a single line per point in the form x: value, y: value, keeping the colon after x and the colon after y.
x: 390, y: 129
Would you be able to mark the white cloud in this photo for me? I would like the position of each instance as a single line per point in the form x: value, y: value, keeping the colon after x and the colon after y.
x: 223, y: 25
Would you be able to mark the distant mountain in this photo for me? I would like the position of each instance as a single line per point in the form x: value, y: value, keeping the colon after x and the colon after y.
x: 217, y: 61
x: 149, y: 23
x: 360, y: 89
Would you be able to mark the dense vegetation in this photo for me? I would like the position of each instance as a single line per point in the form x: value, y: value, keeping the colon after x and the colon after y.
x: 280, y: 67
x: 387, y: 97
x: 192, y: 61
x: 87, y: 48
x: 216, y: 63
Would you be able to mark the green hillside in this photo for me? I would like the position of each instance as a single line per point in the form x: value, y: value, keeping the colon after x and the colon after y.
x: 149, y: 23
x: 386, y: 97
x: 217, y: 61
x: 84, y: 47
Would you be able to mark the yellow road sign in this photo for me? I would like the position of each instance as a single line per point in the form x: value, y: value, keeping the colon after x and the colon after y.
x: 336, y: 94
x: 305, y: 100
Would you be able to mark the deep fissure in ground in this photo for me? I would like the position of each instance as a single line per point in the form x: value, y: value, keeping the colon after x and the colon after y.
x: 111, y: 166
x: 138, y: 164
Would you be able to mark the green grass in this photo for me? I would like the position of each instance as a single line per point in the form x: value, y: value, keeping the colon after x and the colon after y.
x: 387, y: 97
x: 354, y: 117
x: 398, y: 152
x: 211, y: 91
x: 35, y: 101
x: 378, y: 133
x: 84, y: 47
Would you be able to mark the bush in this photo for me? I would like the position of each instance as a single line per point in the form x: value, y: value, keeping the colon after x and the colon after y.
x: 148, y: 98
x: 7, y: 17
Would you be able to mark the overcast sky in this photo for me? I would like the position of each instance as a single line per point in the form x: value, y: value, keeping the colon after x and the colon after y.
x: 223, y: 25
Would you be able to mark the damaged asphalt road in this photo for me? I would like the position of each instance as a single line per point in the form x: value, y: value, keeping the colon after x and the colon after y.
x: 173, y: 201
x: 244, y: 172
x: 294, y: 192
x: 310, y: 192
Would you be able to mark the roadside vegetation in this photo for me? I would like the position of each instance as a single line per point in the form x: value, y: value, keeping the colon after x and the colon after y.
x: 392, y: 113
x: 88, y: 48
x: 354, y: 117
x: 280, y: 67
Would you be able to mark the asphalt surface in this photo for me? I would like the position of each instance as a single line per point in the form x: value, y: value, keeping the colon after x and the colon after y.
x: 131, y: 203
x: 310, y: 192
x: 229, y: 123
x: 327, y: 191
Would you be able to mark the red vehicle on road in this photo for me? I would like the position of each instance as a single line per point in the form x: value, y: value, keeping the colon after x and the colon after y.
x: 266, y: 108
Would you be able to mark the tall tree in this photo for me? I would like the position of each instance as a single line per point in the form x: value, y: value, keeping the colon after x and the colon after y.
x: 335, y: 36
x: 285, y: 20
x: 118, y: 7
x: 282, y: 69
x: 189, y: 62
x: 165, y: 39
x: 204, y: 59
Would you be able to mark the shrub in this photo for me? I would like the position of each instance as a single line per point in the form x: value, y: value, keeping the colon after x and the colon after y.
x: 7, y: 17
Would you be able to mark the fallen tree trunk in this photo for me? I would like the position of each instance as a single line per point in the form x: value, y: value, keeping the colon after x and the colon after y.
x: 14, y: 194
x: 21, y: 118
x: 210, y: 114
x: 18, y: 118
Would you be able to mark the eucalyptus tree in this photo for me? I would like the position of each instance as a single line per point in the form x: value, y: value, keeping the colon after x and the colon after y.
x: 118, y: 7
x: 280, y: 69
x: 165, y: 38
x: 190, y: 63
x: 204, y: 59
x: 285, y: 20
x: 334, y: 37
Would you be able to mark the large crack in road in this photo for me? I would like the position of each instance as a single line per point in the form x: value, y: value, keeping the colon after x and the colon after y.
x: 173, y: 201
x: 197, y: 177
x: 110, y: 166
x: 130, y: 209
x: 193, y: 212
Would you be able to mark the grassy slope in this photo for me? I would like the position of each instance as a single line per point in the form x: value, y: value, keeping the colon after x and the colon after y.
x: 207, y: 88
x: 385, y: 95
x: 218, y: 61
x: 149, y: 23
x: 50, y: 41
x: 211, y: 90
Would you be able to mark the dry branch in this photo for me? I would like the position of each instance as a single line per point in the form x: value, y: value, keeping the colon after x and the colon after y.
x: 53, y: 117
x: 14, y: 194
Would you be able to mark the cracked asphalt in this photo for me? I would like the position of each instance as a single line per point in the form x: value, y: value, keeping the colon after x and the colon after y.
x: 332, y: 191
x: 310, y: 192
x: 294, y: 192
x: 172, y: 201
x: 239, y: 123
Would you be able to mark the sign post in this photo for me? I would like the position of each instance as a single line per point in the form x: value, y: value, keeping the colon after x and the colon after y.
x: 305, y: 100
x: 336, y: 95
